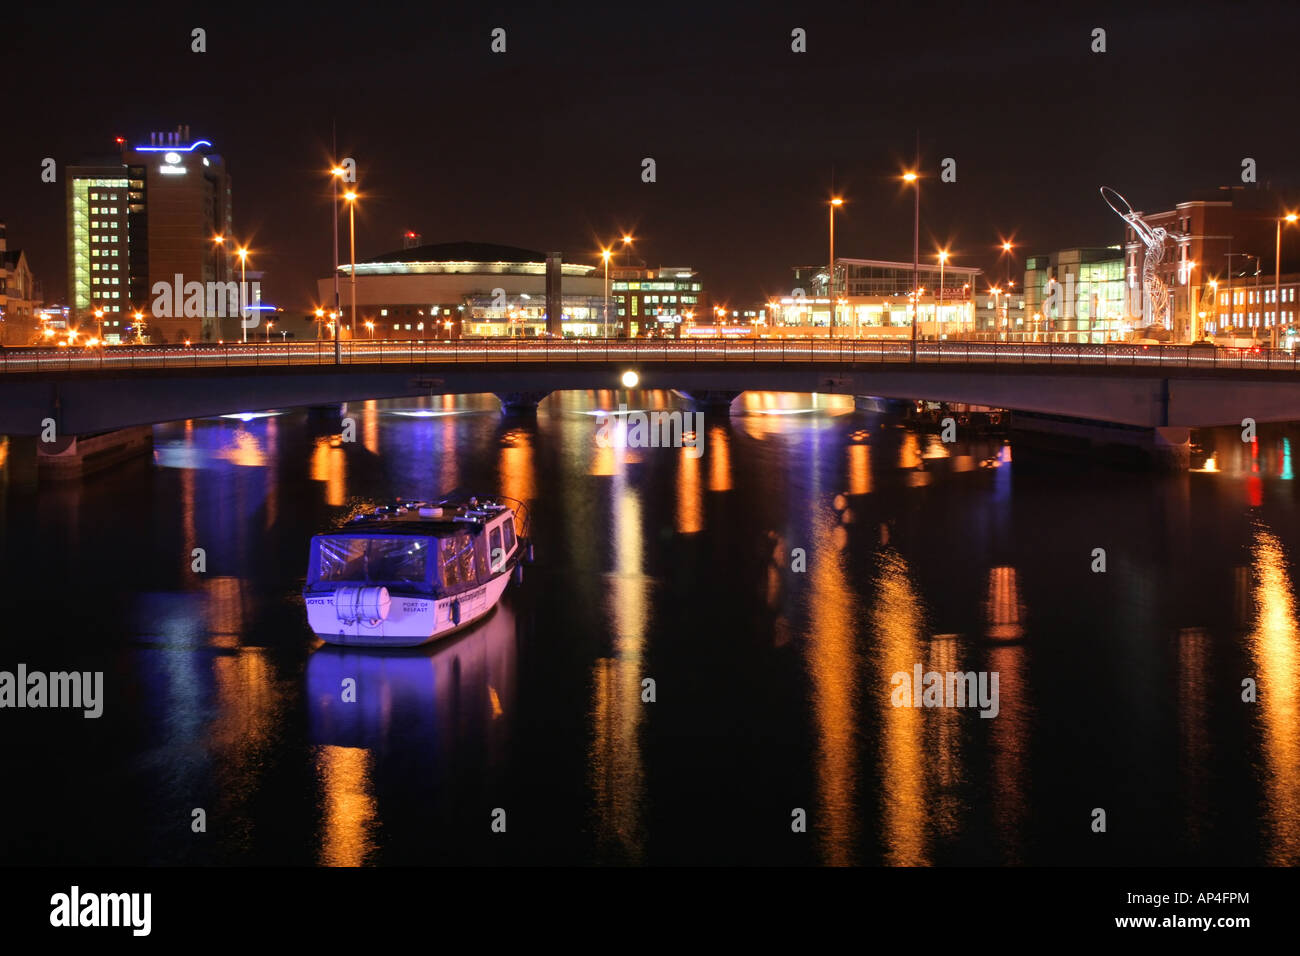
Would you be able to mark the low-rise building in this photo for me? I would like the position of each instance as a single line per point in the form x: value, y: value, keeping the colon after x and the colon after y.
x: 18, y: 305
x: 874, y: 300
x: 449, y: 290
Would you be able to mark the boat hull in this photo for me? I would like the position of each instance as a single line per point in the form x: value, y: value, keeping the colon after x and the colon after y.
x: 412, y: 619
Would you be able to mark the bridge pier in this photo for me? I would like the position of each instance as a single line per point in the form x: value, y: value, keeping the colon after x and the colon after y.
x: 520, y: 403
x: 19, y: 468
x: 75, y: 456
x: 715, y: 401
x: 1163, y: 448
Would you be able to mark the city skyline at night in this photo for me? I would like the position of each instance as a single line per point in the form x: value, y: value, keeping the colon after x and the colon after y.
x: 733, y: 439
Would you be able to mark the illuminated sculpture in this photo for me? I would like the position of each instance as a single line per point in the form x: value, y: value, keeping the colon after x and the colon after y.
x: 1156, y: 293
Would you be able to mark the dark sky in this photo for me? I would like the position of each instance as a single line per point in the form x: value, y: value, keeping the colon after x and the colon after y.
x: 541, y: 147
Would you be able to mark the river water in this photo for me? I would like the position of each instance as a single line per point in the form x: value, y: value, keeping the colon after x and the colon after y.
x: 770, y: 588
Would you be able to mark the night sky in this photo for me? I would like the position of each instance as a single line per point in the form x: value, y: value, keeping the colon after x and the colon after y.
x: 541, y: 147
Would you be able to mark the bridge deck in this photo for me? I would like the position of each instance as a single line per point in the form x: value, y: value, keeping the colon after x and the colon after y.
x: 458, y: 351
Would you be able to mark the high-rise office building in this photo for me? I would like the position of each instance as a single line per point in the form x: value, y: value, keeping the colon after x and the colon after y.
x: 146, y: 215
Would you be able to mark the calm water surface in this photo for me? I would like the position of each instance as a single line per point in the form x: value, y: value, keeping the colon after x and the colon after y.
x: 1118, y: 690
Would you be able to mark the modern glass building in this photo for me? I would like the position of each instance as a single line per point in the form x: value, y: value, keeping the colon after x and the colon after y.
x: 1075, y: 295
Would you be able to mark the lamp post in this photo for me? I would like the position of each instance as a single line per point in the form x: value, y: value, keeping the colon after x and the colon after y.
x: 1006, y: 318
x: 915, y: 180
x: 1277, y: 280
x: 351, y: 197
x: 336, y: 173
x: 943, y: 261
x: 605, y: 254
x: 1006, y: 311
x: 99, y: 316
x: 242, y: 252
x: 997, y: 302
x: 830, y: 274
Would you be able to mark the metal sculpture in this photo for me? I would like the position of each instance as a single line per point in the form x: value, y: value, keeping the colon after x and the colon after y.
x: 1156, y: 292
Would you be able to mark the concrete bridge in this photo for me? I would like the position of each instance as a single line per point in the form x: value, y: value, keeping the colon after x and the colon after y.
x: 1157, y: 391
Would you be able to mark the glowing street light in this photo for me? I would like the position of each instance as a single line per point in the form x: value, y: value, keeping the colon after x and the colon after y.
x: 911, y: 178
x: 371, y: 326
x: 943, y: 261
x: 835, y: 202
x: 336, y: 173
x: 1007, y: 246
x: 605, y: 255
x: 242, y: 252
x: 351, y: 197
x: 1277, y: 278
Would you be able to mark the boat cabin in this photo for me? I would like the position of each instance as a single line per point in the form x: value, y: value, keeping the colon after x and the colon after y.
x: 418, y: 549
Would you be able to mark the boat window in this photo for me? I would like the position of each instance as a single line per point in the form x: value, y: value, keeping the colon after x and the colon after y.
x: 458, y: 560
x: 372, y: 560
x: 498, y: 557
x: 509, y: 527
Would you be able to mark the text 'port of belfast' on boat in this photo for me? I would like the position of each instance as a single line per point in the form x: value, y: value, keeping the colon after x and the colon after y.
x: 405, y: 574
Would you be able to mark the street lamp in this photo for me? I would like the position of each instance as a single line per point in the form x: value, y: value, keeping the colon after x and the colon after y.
x: 371, y: 326
x: 943, y: 261
x: 915, y: 180
x: 351, y: 197
x: 830, y: 280
x: 605, y: 254
x: 99, y: 315
x: 1007, y: 246
x: 242, y: 252
x: 336, y: 173
x: 1277, y: 279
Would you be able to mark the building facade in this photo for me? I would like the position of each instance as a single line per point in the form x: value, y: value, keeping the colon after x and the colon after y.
x: 18, y: 306
x: 148, y: 215
x: 452, y: 290
x: 1217, y: 247
x: 659, y: 302
x: 874, y: 300
x: 1075, y: 295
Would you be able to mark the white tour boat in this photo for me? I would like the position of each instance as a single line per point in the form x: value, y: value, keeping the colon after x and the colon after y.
x: 405, y: 574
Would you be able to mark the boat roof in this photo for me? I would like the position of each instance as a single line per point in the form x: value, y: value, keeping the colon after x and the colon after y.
x: 443, y: 517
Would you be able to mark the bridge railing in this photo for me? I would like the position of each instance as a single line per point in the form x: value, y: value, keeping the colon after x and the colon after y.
x: 639, y: 351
